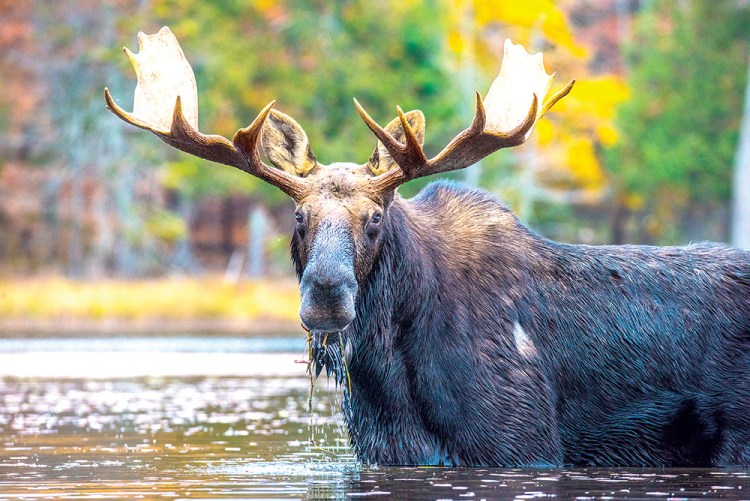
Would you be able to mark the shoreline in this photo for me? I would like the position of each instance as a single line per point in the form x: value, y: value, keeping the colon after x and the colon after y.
x: 53, y: 306
x: 148, y: 327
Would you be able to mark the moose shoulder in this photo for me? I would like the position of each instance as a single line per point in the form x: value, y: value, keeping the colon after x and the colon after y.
x: 479, y: 342
x: 460, y: 336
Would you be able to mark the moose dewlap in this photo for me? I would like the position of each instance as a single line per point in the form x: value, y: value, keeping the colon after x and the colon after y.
x: 462, y: 337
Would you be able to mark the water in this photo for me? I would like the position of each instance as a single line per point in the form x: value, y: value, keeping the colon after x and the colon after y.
x: 207, y: 418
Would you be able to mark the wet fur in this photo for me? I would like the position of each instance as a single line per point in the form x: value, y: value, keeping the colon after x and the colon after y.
x: 632, y: 355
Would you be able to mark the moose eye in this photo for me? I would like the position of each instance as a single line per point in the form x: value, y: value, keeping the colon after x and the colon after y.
x: 298, y: 217
x: 376, y: 218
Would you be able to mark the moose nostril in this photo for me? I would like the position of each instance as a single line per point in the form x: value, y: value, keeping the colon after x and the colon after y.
x: 333, y: 283
x: 338, y: 278
x: 323, y: 282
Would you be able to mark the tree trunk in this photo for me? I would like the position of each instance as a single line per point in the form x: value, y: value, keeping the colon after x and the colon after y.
x: 741, y: 209
x: 617, y: 220
x: 183, y: 258
x: 257, y: 234
x: 467, y: 78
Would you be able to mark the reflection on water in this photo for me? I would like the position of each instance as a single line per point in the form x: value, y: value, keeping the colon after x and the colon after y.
x: 229, y: 419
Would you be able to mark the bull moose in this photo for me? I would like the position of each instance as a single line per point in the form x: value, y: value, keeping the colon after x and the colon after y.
x: 463, y: 337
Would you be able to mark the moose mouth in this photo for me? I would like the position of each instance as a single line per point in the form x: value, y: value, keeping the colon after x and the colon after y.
x: 327, y: 309
x: 329, y: 351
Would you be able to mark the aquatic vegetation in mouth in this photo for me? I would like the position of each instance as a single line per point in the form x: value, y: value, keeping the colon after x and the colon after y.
x: 326, y: 350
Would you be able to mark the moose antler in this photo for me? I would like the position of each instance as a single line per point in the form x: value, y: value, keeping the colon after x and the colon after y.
x: 502, y: 120
x: 165, y: 77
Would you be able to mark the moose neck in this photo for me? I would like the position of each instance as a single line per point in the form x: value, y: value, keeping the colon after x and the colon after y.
x: 400, y: 281
x: 451, y: 266
x: 428, y: 255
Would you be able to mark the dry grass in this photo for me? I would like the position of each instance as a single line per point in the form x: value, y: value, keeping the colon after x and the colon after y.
x: 177, y: 298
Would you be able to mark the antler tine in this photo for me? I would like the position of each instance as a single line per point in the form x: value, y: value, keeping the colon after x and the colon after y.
x: 480, y: 116
x: 122, y: 114
x: 164, y: 75
x: 501, y: 120
x: 408, y: 155
x: 556, y: 97
x: 382, y: 135
x: 520, y: 132
x: 409, y: 135
x: 246, y: 140
x: 413, y: 155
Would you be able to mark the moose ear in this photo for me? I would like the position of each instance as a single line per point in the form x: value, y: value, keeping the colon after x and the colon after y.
x: 381, y: 160
x: 286, y: 144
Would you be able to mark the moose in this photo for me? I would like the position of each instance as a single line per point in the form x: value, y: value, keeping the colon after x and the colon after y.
x: 461, y: 336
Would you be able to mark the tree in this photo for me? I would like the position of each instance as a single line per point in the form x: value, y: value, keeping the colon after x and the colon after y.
x: 560, y: 164
x: 87, y: 197
x: 312, y: 58
x: 679, y: 130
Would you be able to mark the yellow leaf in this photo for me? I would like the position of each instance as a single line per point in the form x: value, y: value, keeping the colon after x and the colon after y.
x: 584, y: 163
x: 606, y: 133
x: 541, y: 15
x: 634, y: 201
x: 265, y: 5
x: 595, y: 97
x: 544, y: 131
x: 455, y: 42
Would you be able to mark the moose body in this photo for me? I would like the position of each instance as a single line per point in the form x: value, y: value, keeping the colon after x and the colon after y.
x: 462, y: 337
x: 478, y: 342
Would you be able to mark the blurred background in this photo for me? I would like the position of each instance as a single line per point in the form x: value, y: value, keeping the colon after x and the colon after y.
x: 105, y: 228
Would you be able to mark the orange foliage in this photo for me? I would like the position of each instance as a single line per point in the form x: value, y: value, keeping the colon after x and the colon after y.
x: 567, y: 137
x: 531, y: 15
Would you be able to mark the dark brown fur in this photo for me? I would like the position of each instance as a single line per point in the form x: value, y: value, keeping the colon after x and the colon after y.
x: 627, y: 356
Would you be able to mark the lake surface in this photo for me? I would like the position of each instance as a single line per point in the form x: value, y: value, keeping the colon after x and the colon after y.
x: 225, y: 418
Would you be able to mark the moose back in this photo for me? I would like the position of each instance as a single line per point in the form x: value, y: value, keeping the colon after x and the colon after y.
x: 460, y: 336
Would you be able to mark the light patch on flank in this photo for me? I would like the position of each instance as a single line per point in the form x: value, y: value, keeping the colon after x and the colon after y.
x: 347, y: 346
x: 524, y: 344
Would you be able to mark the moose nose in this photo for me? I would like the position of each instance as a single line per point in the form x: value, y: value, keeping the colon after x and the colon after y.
x: 327, y: 300
x: 327, y: 309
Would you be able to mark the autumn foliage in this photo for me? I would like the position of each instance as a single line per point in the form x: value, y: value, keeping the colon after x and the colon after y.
x: 82, y: 195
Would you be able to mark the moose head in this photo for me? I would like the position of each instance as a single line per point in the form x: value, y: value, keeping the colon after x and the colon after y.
x: 341, y: 208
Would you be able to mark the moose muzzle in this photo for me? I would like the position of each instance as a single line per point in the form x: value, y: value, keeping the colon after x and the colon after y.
x: 328, y: 285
